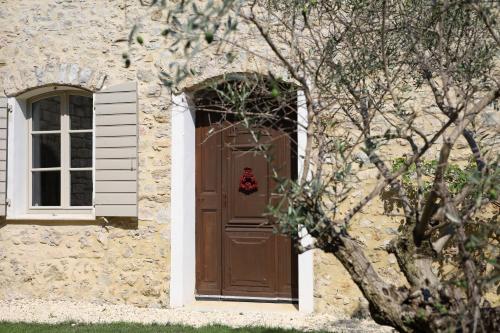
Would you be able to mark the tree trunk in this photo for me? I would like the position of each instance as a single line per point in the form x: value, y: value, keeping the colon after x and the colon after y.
x: 434, y: 309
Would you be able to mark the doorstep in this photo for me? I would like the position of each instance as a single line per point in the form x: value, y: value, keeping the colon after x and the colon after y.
x: 238, y: 306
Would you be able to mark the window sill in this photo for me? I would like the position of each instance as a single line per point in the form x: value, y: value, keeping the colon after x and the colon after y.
x: 54, y: 217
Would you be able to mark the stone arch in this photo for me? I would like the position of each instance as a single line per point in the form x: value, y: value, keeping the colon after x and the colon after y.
x: 66, y: 74
x: 205, y: 87
x: 206, y: 83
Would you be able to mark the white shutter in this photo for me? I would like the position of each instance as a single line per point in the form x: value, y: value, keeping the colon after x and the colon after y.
x: 3, y: 152
x: 116, y: 122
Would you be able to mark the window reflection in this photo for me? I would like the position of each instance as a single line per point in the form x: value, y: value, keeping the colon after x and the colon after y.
x: 46, y: 114
x: 80, y: 112
x: 46, y: 188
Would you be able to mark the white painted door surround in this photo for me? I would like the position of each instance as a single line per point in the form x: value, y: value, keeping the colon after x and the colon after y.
x: 183, y: 200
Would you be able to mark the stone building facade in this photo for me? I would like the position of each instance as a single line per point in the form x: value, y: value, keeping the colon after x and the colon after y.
x: 79, y: 43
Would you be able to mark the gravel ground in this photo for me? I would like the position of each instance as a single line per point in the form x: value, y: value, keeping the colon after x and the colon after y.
x: 64, y: 311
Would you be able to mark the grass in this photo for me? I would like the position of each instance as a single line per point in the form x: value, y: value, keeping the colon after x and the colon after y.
x: 7, y: 327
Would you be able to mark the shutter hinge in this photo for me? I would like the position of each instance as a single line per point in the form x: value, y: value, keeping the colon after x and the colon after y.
x: 9, y: 108
x: 7, y: 202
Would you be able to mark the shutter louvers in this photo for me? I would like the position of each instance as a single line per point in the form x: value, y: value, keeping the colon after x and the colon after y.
x: 3, y: 153
x: 116, y: 123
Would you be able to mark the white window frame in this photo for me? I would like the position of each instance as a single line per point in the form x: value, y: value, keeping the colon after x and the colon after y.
x: 19, y: 159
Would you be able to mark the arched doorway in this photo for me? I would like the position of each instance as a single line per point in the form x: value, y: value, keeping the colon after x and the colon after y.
x: 245, y: 146
x: 183, y: 199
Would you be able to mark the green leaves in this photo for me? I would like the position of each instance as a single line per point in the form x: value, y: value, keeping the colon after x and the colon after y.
x: 126, y: 60
x: 191, y: 25
x: 209, y: 37
x: 456, y: 177
x: 275, y: 92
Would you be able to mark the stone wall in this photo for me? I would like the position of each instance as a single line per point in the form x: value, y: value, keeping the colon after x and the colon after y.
x: 334, y: 290
x: 81, y: 42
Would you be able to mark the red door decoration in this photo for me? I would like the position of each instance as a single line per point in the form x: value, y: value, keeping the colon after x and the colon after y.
x: 248, y: 183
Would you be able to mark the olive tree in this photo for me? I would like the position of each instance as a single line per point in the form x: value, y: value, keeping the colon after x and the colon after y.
x: 393, y: 84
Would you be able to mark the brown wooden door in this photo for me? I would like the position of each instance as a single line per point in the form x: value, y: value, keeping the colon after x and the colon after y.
x: 237, y: 251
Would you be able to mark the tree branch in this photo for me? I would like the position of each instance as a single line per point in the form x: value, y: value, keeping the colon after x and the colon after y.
x: 431, y: 205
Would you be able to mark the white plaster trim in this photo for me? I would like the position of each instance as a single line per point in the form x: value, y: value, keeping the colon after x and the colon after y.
x: 183, y: 207
x: 94, y: 153
x: 183, y: 201
x: 44, y: 90
x: 306, y: 259
x: 53, y: 217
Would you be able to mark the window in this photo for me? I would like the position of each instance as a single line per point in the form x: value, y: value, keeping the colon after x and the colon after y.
x: 72, y: 153
x: 60, y: 152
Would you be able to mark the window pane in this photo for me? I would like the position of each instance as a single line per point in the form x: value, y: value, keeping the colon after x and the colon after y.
x: 81, y: 188
x: 46, y: 188
x: 46, y: 114
x: 46, y: 150
x: 81, y: 150
x: 80, y: 112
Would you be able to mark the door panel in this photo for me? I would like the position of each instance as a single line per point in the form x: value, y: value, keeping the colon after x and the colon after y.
x: 208, y: 209
x: 287, y: 269
x: 249, y: 267
x: 247, y: 208
x: 209, y: 228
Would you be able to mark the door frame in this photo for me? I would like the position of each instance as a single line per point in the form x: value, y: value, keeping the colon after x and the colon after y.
x: 183, y: 206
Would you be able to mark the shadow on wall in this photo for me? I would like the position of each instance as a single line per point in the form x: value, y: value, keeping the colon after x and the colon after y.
x: 124, y: 223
